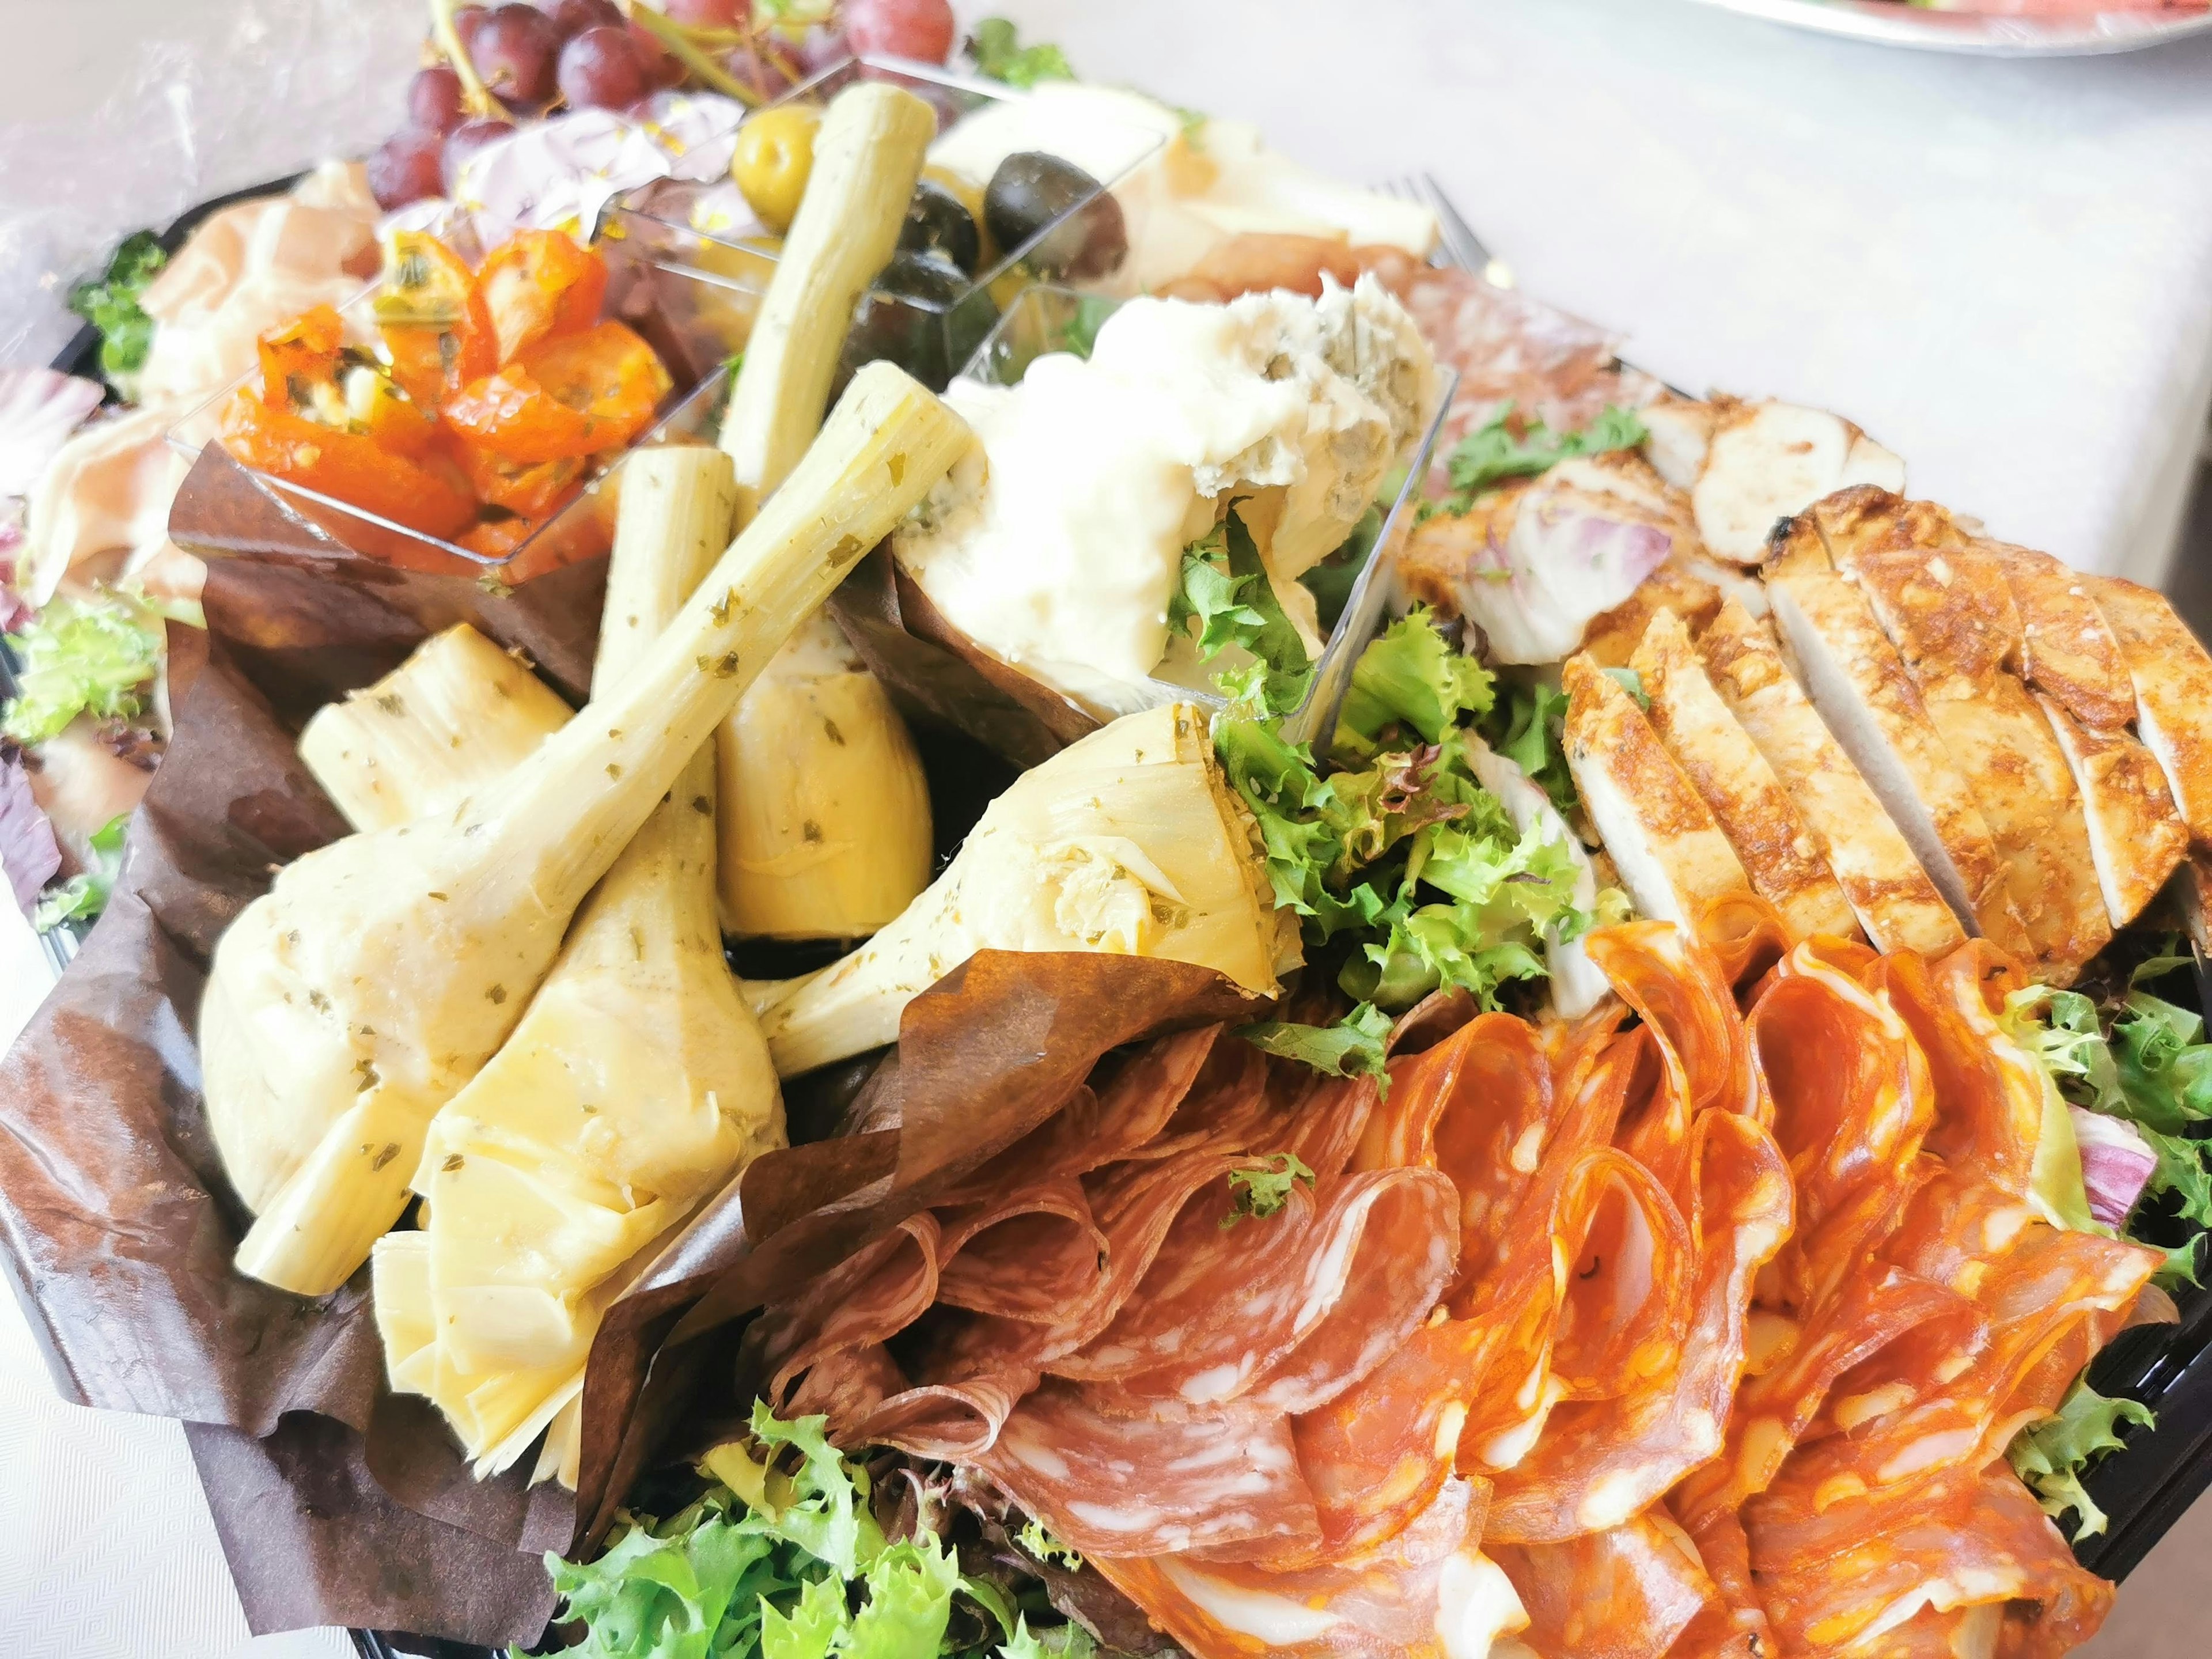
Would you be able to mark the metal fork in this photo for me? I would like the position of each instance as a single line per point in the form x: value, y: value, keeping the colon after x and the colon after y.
x: 1461, y: 246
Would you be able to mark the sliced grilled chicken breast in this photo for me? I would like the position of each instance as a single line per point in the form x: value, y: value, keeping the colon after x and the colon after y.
x: 1945, y: 606
x: 1675, y: 586
x: 1859, y: 684
x: 2074, y: 665
x: 1895, y: 899
x: 1768, y: 461
x: 1672, y: 857
x: 1783, y: 858
x: 1578, y: 985
x: 2172, y: 675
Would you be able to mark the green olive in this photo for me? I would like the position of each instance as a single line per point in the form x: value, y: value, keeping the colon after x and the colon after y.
x: 1033, y: 195
x: 938, y: 222
x: 775, y: 156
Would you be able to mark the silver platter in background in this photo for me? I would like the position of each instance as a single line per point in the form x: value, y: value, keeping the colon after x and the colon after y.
x: 1886, y: 22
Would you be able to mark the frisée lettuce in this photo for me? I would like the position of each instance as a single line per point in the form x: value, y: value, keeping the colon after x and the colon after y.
x: 782, y: 1558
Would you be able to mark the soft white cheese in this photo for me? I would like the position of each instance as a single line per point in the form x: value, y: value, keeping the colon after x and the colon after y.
x: 1184, y: 187
x: 1057, y: 543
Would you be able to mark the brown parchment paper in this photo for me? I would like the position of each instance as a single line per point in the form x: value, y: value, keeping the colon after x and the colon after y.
x: 937, y: 673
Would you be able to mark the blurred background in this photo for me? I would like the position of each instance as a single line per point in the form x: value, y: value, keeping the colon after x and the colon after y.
x: 2002, y: 269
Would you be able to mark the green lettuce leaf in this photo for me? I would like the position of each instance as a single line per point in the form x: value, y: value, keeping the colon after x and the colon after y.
x: 995, y: 47
x: 813, y: 1626
x: 1350, y: 1048
x: 1068, y: 1641
x: 1225, y: 591
x: 1042, y: 1546
x: 909, y: 1603
x: 110, y: 303
x: 1410, y: 679
x: 95, y: 656
x: 85, y: 895
x: 1262, y: 1190
x: 1527, y: 725
x: 2051, y: 1455
x: 1494, y: 453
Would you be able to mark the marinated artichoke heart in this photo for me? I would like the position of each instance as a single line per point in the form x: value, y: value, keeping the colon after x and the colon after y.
x: 1056, y: 544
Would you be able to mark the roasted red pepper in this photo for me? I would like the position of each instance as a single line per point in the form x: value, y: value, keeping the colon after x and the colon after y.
x: 428, y: 495
x: 574, y: 395
x: 537, y: 285
x: 432, y: 318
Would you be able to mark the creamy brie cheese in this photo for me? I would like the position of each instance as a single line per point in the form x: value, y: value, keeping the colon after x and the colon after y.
x: 1057, y: 543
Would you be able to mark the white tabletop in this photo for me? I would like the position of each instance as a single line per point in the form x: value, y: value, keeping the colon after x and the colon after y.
x: 2002, y: 270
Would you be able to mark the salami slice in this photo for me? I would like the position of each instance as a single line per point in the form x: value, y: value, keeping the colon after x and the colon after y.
x: 1852, y: 1103
x: 1774, y: 1408
x: 1732, y: 1624
x: 1030, y: 1256
x: 1598, y: 1464
x: 1427, y: 1592
x: 1988, y: 1098
x: 1165, y: 1478
x: 1683, y: 991
x: 864, y: 1301
x: 1838, y: 1581
x: 1624, y: 1593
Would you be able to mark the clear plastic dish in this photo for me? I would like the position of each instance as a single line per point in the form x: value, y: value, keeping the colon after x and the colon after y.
x: 1048, y: 317
x: 705, y: 233
x: 581, y: 530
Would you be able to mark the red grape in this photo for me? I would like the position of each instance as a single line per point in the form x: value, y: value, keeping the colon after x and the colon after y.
x: 662, y: 67
x: 599, y: 70
x: 464, y: 141
x: 572, y: 17
x: 709, y: 14
x: 434, y: 99
x: 467, y: 20
x: 404, y: 168
x: 513, y: 52
x: 822, y: 47
x: 920, y: 29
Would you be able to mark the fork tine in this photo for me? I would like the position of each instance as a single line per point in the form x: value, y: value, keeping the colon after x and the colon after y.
x: 1466, y: 248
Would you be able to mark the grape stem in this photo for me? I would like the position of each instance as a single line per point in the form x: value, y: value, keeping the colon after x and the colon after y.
x: 672, y: 35
x: 476, y: 97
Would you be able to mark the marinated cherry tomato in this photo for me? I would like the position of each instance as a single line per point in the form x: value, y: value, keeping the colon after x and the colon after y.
x: 774, y: 158
x: 297, y: 358
x: 428, y: 495
x: 572, y: 396
x: 535, y: 489
x: 376, y: 405
x: 432, y: 319
x: 497, y: 537
x: 537, y: 285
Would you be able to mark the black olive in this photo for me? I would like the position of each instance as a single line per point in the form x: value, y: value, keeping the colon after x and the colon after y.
x: 936, y: 222
x: 1031, y: 191
x: 916, y: 316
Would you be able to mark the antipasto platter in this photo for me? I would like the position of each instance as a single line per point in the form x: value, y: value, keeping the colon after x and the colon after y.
x: 908, y: 860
